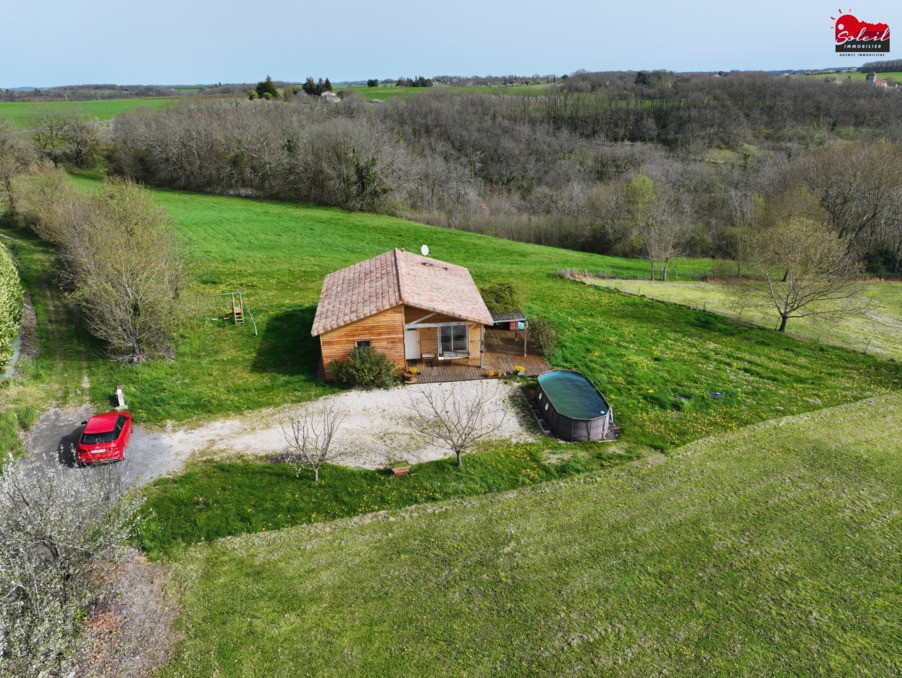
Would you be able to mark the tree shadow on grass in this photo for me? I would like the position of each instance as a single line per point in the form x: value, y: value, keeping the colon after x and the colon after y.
x: 286, y: 346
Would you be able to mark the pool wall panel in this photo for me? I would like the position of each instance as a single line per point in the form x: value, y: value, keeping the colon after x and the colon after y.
x: 569, y: 428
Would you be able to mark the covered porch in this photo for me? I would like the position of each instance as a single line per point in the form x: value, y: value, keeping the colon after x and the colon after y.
x: 503, y: 352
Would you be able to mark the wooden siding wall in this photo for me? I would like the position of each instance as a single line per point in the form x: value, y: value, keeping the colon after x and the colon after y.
x: 429, y: 340
x: 385, y: 330
x: 475, y: 336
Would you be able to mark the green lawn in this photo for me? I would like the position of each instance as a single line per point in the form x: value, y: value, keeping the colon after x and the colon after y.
x: 877, y: 330
x: 21, y: 112
x: 656, y: 363
x: 769, y: 551
x: 213, y: 499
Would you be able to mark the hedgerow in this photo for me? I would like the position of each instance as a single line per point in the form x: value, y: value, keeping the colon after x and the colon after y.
x: 10, y: 304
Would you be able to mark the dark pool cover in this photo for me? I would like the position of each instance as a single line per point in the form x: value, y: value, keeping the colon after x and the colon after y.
x: 573, y: 395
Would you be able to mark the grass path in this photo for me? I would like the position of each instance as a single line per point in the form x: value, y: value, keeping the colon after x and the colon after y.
x: 772, y: 550
x: 878, y: 330
x: 58, y: 375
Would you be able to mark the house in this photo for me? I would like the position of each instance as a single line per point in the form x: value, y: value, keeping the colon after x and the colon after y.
x: 404, y: 305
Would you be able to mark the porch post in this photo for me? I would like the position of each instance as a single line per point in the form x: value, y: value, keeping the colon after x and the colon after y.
x: 481, y: 346
x: 525, y: 334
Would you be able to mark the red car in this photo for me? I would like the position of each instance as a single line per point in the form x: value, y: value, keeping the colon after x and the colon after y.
x: 104, y: 438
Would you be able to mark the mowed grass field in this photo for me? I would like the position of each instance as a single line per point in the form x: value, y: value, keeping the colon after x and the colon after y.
x: 877, y: 330
x: 768, y: 551
x: 21, y: 113
x: 656, y: 363
x: 211, y: 500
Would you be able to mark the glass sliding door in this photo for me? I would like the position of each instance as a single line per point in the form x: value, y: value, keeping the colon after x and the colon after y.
x: 453, y: 339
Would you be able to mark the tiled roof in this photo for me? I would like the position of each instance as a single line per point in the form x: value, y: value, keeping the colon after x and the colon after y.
x: 394, y: 278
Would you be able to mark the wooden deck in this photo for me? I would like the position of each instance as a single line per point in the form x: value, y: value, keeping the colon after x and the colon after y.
x: 503, y: 352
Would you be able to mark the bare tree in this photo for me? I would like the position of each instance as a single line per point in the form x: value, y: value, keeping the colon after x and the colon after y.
x: 665, y: 233
x: 121, y: 265
x: 309, y: 433
x: 807, y: 270
x: 15, y: 158
x: 455, y: 418
x: 59, y: 533
x: 48, y: 130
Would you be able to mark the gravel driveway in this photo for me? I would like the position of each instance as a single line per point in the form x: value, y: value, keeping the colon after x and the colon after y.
x: 373, y: 431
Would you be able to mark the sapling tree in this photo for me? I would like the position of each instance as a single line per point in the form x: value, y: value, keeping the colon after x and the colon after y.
x: 310, y: 433
x: 455, y: 418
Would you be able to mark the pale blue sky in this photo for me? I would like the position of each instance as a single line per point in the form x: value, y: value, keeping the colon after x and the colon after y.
x: 55, y: 42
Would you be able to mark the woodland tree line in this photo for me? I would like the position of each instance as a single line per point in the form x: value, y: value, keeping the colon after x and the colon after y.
x: 714, y: 157
x: 650, y: 164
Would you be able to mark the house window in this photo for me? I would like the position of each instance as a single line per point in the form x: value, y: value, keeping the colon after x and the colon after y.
x: 366, y: 343
x: 453, y: 339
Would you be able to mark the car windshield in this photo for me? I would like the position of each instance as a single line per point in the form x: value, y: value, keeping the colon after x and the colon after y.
x: 97, y: 438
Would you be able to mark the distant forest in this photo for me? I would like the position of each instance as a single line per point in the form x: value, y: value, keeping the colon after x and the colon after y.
x: 715, y: 157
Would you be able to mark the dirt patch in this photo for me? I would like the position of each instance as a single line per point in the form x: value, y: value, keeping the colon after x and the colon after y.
x: 128, y: 630
x: 374, y: 427
x: 29, y: 331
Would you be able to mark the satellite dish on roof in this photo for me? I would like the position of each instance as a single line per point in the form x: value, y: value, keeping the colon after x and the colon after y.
x: 425, y: 250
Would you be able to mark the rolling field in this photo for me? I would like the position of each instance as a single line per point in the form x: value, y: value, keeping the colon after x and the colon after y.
x: 768, y: 551
x: 878, y: 330
x: 21, y: 112
x: 856, y: 76
x: 656, y: 363
x: 390, y: 91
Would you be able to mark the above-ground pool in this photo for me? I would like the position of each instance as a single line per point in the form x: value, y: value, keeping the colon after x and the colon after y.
x: 572, y: 406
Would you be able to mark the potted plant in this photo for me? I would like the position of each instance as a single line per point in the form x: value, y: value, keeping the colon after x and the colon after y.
x: 399, y: 467
x: 519, y: 369
x: 410, y: 377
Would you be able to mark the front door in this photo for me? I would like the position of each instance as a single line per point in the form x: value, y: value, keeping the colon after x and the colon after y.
x: 412, y: 344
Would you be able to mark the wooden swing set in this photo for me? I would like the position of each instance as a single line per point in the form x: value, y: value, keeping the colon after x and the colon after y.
x: 238, y: 308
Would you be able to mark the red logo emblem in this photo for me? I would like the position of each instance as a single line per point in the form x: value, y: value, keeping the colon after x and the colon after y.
x: 854, y: 35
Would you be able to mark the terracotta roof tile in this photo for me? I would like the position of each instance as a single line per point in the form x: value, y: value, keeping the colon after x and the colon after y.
x: 394, y: 278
